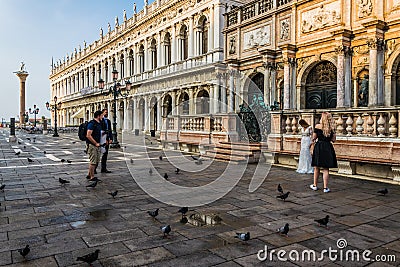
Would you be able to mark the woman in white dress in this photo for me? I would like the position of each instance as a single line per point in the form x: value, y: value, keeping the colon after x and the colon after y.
x: 305, y: 155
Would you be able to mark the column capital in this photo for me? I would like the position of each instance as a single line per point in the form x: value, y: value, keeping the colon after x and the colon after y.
x: 375, y: 43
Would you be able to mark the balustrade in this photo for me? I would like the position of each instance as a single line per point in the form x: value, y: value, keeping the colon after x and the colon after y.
x: 380, y: 122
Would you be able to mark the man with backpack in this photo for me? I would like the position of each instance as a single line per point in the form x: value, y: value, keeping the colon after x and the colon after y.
x: 93, y: 136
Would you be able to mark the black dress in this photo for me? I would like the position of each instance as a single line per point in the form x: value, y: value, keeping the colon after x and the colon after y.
x: 324, y: 155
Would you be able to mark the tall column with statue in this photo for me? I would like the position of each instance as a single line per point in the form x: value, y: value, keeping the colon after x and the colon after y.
x: 22, y: 75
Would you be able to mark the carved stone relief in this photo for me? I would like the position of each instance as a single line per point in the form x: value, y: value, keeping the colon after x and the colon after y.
x: 285, y: 29
x: 364, y: 8
x: 260, y: 36
x: 232, y: 45
x: 391, y: 45
x: 321, y: 17
x: 396, y: 3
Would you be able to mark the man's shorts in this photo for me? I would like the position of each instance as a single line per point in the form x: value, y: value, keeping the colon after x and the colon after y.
x: 94, y: 154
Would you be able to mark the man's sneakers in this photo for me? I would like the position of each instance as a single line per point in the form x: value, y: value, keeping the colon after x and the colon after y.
x: 313, y: 187
x: 105, y: 171
x: 327, y: 190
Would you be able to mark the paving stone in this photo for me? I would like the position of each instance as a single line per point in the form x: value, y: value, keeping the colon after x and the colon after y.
x: 42, y: 262
x: 253, y: 260
x: 379, y: 233
x: 354, y: 219
x: 356, y: 240
x: 138, y: 258
x: 380, y: 211
x: 102, y: 239
x: 38, y: 231
x: 233, y: 251
x: 5, y: 258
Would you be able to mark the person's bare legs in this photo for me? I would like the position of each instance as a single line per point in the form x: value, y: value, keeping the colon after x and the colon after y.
x: 316, y: 175
x: 91, y: 170
x: 325, y: 176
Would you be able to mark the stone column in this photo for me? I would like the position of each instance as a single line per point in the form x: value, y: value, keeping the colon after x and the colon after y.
x: 286, y: 83
x: 159, y: 113
x: 347, y: 77
x: 373, y: 72
x: 146, y: 114
x: 173, y: 104
x: 22, y: 75
x: 239, y: 95
x: 135, y: 115
x: 173, y: 44
x: 191, y: 101
x: 126, y: 117
x: 380, y: 73
x: 218, y: 25
x: 191, y: 37
x: 231, y: 90
x: 293, y: 88
x: 267, y: 89
x: 340, y: 50
x: 211, y: 30
x: 223, y: 93
x: 211, y: 102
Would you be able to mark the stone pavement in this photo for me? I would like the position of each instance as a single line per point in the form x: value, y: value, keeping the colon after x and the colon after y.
x: 61, y: 223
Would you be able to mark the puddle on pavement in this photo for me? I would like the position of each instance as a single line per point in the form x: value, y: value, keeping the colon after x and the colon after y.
x: 77, y: 224
x: 204, y: 219
x: 99, y: 215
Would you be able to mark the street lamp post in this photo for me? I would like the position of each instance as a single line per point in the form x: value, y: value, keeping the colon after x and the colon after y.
x: 35, y: 111
x: 54, y: 107
x: 116, y: 91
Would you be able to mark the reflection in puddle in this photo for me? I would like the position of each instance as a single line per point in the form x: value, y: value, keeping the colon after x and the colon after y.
x: 77, y: 224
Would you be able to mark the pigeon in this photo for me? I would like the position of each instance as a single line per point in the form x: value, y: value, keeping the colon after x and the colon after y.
x: 177, y: 170
x: 160, y: 157
x: 73, y: 142
x: 150, y: 171
x: 113, y: 194
x: 280, y: 190
x: 92, y: 185
x: 166, y: 176
x: 283, y: 196
x: 19, y: 142
x: 69, y: 161
x: 30, y: 160
x: 194, y: 157
x: 62, y: 160
x: 62, y: 181
x: 383, y: 191
x: 183, y: 210
x: 24, y: 147
x: 89, y: 258
x: 131, y: 161
x: 24, y: 251
x: 34, y: 140
x: 17, y: 153
x: 243, y: 236
x: 284, y: 230
x: 44, y: 152
x: 28, y: 139
x: 154, y: 213
x: 323, y: 221
x: 166, y: 230
x: 2, y: 187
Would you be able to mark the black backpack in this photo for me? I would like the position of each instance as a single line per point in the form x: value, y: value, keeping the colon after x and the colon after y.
x: 82, y: 131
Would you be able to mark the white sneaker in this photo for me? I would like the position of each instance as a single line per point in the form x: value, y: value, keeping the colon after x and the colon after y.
x: 313, y: 187
x: 327, y: 190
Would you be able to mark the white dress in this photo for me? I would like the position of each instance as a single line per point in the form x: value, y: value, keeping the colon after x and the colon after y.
x: 305, y: 155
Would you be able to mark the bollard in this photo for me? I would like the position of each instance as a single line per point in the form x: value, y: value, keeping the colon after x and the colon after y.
x: 45, y: 131
x: 12, y: 137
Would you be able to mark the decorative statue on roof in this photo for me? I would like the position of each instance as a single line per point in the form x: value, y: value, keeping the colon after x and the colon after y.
x: 134, y: 8
x: 101, y: 32
x: 109, y: 27
x: 116, y: 21
x: 125, y: 18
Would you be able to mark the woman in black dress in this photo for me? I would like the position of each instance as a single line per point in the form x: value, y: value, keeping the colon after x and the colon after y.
x: 324, y: 156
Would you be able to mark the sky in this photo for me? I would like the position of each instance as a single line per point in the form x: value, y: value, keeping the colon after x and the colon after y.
x: 34, y: 31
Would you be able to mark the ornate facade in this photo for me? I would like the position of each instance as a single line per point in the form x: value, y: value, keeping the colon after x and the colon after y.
x: 337, y: 55
x: 170, y: 52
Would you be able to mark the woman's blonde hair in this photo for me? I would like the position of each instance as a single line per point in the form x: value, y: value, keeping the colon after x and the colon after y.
x: 328, y: 124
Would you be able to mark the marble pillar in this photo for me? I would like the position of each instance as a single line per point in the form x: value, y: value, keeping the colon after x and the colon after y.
x: 286, y: 83
x: 373, y: 74
x: 159, y: 113
x: 347, y: 77
x: 231, y: 90
x: 223, y: 94
x: 267, y: 89
x: 191, y: 101
x: 146, y: 115
x: 340, y: 76
x: 22, y: 75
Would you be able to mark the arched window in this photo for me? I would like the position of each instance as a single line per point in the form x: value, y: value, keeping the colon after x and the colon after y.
x: 141, y: 59
x: 203, y: 102
x: 93, y: 76
x: 122, y: 66
x: 167, y: 49
x: 183, y: 43
x: 153, y: 50
x: 203, y: 37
